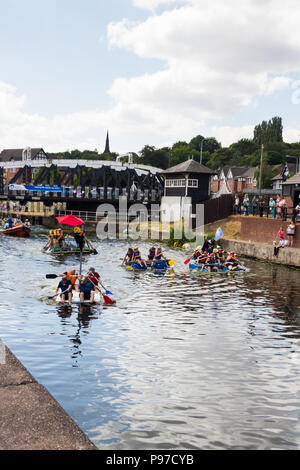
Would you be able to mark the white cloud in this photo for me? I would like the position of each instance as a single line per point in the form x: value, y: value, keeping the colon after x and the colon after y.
x: 153, y: 4
x: 217, y: 58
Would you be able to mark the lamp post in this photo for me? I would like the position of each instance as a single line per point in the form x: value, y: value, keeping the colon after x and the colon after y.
x: 201, y: 151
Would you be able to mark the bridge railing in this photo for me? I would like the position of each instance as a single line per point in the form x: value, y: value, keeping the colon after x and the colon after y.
x: 94, y: 193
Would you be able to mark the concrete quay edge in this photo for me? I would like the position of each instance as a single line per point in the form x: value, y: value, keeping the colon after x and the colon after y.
x: 31, y: 419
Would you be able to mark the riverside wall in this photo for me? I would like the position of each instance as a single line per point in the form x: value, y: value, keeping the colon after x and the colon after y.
x: 263, y: 251
x: 31, y: 419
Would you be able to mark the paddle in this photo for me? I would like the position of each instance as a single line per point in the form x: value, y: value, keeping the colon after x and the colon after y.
x: 187, y: 261
x: 53, y: 296
x: 106, y: 299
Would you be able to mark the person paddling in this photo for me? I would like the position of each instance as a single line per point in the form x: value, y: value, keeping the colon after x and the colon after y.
x: 151, y: 254
x: 87, y: 288
x: 94, y: 276
x: 129, y: 257
x: 65, y: 286
x: 138, y: 258
x: 73, y: 277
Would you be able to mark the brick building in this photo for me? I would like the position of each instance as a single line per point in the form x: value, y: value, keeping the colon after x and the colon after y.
x: 233, y: 180
x: 14, y: 156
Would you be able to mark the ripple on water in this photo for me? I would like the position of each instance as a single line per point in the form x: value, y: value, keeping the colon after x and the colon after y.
x: 183, y: 361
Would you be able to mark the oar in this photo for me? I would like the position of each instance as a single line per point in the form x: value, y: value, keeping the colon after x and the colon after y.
x: 187, y: 261
x: 53, y: 296
x: 106, y: 299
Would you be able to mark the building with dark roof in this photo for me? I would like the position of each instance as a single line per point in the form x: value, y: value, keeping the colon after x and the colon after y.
x: 188, y: 179
x: 21, y: 155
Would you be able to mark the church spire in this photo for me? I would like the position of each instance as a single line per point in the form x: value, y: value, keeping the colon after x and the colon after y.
x: 107, y: 146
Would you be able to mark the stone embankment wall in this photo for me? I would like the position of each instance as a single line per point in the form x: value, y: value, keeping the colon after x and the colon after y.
x: 262, y: 251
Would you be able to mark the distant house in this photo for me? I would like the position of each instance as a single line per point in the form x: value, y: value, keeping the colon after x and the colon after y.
x: 284, y: 173
x: 20, y: 155
x: 232, y: 180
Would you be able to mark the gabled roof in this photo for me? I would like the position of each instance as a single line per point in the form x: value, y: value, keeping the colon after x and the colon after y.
x: 15, y: 155
x: 242, y: 172
x: 293, y: 180
x: 189, y: 166
x: 291, y: 168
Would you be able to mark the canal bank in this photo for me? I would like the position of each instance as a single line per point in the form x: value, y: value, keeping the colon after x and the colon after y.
x: 31, y: 419
x: 263, y: 251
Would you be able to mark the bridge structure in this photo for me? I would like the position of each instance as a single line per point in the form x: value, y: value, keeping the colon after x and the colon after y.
x: 83, y: 185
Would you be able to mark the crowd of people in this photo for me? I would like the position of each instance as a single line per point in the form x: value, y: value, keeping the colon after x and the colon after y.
x: 86, y: 286
x: 274, y: 207
x: 12, y: 222
x: 134, y: 255
x: 214, y: 259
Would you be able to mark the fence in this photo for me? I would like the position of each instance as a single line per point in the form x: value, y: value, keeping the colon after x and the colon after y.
x: 218, y: 209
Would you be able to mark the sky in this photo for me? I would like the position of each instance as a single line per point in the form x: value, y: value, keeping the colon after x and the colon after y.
x: 152, y: 72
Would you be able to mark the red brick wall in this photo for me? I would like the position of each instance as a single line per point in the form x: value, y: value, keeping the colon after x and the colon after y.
x: 214, y: 186
x: 265, y: 230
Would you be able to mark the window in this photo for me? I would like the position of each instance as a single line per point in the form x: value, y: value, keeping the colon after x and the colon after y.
x: 193, y: 183
x: 175, y: 183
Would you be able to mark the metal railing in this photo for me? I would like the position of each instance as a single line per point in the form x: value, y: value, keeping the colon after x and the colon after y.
x: 88, y: 193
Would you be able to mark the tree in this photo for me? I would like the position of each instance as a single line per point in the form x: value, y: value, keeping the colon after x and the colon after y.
x: 155, y: 157
x: 268, y: 132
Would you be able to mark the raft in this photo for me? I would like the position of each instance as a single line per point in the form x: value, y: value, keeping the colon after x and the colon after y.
x: 19, y: 231
x: 76, y: 299
x: 195, y: 266
x: 158, y: 265
x: 70, y: 248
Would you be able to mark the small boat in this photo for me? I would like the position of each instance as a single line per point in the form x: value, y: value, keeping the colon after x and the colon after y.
x: 222, y: 269
x: 162, y: 265
x: 19, y: 231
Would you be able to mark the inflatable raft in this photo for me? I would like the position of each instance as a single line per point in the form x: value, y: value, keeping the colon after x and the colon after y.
x: 19, y: 231
x: 222, y: 269
x: 158, y: 265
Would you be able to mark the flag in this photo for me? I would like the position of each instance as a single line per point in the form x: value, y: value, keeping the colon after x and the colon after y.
x: 219, y: 234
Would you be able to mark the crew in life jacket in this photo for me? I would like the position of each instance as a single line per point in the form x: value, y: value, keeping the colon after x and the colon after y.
x: 231, y: 260
x: 197, y: 253
x: 73, y: 277
x: 129, y: 257
x: 151, y: 254
x: 158, y: 257
x: 138, y: 258
x: 60, y: 238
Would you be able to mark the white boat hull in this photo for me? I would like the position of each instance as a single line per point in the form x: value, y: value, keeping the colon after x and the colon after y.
x: 98, y: 299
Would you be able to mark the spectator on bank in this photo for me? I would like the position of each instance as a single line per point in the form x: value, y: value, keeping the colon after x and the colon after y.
x: 278, y: 200
x: 283, y: 209
x: 255, y: 206
x: 261, y: 204
x: 236, y: 207
x: 246, y: 204
x: 291, y: 230
x: 281, y: 235
x: 272, y: 208
x: 296, y: 213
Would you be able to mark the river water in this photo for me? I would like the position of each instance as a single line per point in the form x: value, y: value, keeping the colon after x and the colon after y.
x: 182, y: 361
